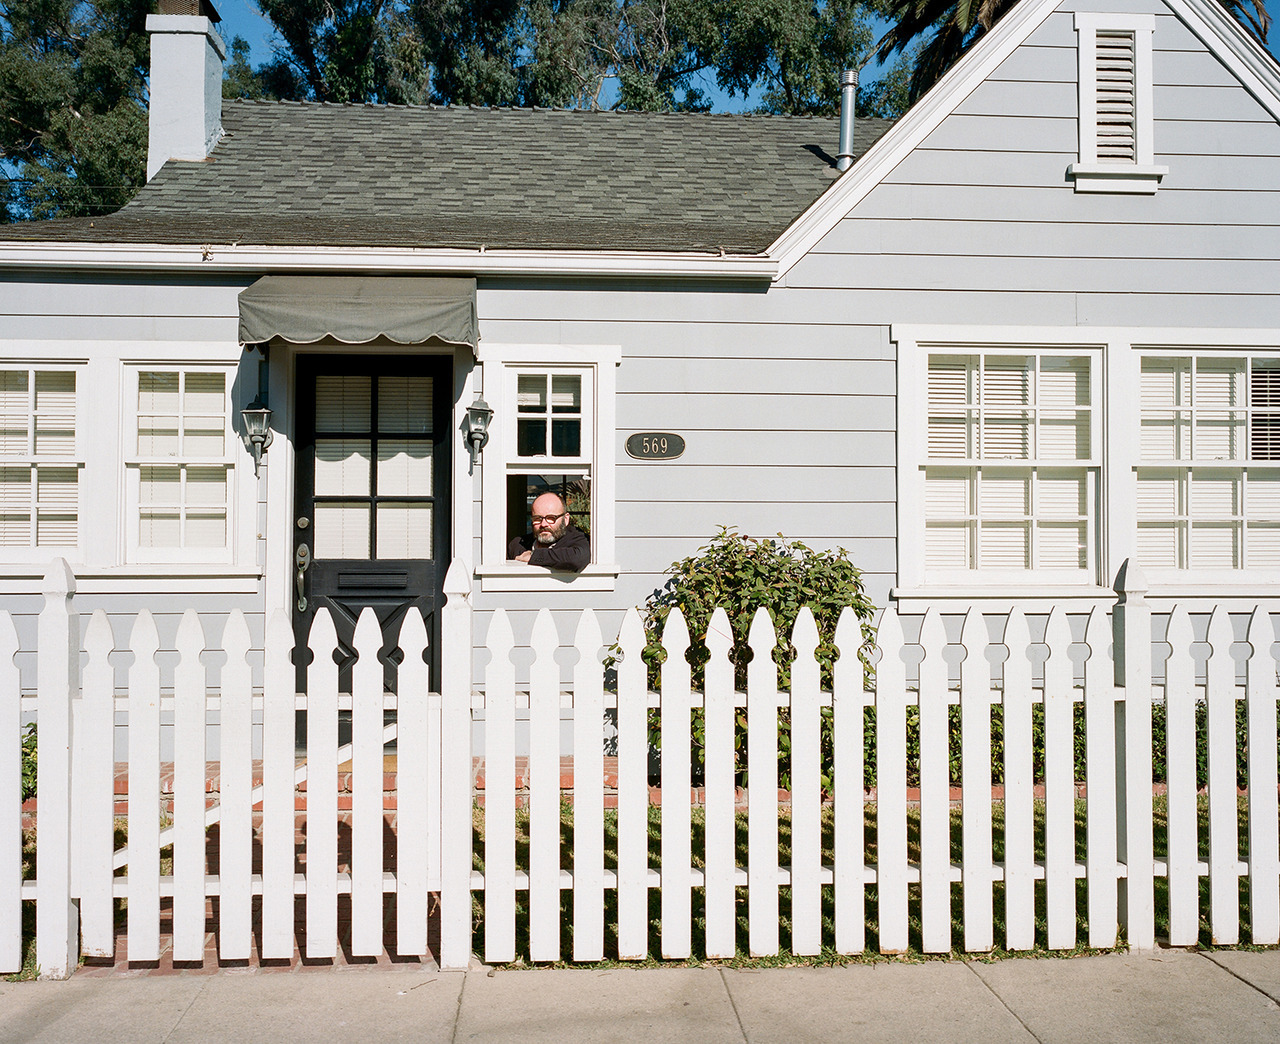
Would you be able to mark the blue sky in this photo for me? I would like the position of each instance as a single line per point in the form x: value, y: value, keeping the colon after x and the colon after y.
x: 242, y: 18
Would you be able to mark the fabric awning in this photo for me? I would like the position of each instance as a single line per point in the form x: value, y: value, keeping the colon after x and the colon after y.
x: 359, y: 309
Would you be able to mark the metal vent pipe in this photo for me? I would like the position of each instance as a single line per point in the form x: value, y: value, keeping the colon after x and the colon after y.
x: 848, y: 100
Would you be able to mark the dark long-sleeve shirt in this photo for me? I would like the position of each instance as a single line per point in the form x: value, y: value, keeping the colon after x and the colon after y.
x: 571, y: 552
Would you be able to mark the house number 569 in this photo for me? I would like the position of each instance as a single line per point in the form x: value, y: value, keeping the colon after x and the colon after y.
x: 655, y: 445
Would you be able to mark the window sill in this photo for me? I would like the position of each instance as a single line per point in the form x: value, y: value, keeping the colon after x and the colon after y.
x: 191, y: 578
x: 1134, y: 179
x: 518, y: 576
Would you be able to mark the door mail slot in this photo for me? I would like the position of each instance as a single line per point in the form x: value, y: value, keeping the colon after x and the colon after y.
x: 373, y: 579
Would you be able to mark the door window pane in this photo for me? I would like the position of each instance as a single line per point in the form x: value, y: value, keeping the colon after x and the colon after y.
x: 404, y: 530
x: 342, y: 467
x: 404, y: 468
x: 342, y: 403
x: 404, y: 404
x: 342, y: 530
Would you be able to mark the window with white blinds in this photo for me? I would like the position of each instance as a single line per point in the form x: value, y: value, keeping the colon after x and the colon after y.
x: 181, y: 464
x: 39, y: 470
x: 1010, y: 479
x: 1209, y: 475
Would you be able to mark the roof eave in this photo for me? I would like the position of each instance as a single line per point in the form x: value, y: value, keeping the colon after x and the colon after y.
x: 224, y: 258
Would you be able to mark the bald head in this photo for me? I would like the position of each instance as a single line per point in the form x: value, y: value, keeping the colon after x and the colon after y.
x: 550, y: 519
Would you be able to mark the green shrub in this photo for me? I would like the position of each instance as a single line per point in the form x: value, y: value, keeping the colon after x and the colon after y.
x: 739, y: 574
x: 29, y: 762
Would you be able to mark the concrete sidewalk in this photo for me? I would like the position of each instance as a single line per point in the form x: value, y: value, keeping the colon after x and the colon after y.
x: 1169, y: 996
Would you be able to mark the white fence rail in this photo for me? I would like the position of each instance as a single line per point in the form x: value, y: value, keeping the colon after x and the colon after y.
x: 831, y: 874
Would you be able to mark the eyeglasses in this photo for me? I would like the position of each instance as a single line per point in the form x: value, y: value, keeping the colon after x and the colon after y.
x: 548, y: 519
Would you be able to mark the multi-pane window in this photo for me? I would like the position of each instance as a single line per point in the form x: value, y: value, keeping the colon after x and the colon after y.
x: 373, y: 466
x: 552, y: 451
x: 1010, y: 479
x: 1209, y: 474
x: 182, y: 459
x: 39, y: 471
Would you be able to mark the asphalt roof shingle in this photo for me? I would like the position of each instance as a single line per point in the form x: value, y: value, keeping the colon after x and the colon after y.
x: 310, y: 174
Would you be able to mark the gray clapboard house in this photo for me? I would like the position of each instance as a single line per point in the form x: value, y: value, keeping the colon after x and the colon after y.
x: 1033, y: 331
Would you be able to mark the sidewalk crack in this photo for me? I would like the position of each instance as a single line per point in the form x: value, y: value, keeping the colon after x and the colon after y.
x: 457, y: 1013
x: 990, y: 989
x: 733, y: 1004
x: 1253, y: 985
x: 194, y: 997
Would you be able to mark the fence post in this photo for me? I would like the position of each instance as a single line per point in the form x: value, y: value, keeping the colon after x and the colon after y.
x: 58, y: 682
x: 1132, y: 623
x: 455, y: 771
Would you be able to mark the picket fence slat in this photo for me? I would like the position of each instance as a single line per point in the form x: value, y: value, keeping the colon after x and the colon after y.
x: 10, y: 801
x: 415, y: 738
x: 891, y: 785
x: 235, y: 769
x: 677, y: 857
x: 95, y: 794
x: 1100, y: 782
x: 849, y: 841
x: 1264, y: 810
x: 1019, y: 812
x: 500, y: 796
x: 544, y: 792
x: 1059, y: 752
x: 633, y: 792
x: 1182, y: 831
x: 588, y: 793
x: 279, y: 743
x: 718, y: 810
x: 806, y: 790
x: 366, y: 788
x: 977, y: 867
x: 322, y: 792
x: 1224, y: 878
x: 762, y: 788
x: 456, y: 795
x: 188, y: 792
x: 935, y: 786
x: 144, y: 792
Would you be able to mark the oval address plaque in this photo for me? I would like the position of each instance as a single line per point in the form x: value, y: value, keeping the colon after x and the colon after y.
x: 655, y: 445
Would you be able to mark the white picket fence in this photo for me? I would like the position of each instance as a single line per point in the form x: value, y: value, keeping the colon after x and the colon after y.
x: 829, y: 902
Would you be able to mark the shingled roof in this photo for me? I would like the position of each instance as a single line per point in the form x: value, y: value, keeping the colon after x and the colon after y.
x: 309, y: 174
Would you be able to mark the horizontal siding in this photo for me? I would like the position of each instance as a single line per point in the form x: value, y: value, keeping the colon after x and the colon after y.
x: 782, y: 375
x: 757, y: 411
x: 215, y: 299
x: 645, y: 484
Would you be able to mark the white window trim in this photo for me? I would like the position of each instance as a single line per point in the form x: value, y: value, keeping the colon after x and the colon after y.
x: 494, y: 571
x: 1120, y: 368
x: 1143, y: 176
x: 48, y: 552
x: 238, y: 549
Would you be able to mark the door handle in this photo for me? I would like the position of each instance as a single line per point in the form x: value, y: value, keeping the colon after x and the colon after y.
x: 301, y: 561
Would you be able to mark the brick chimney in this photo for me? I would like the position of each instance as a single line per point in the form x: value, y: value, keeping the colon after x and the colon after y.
x: 186, y: 82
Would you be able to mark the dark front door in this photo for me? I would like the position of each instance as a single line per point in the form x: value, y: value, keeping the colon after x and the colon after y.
x: 372, y: 511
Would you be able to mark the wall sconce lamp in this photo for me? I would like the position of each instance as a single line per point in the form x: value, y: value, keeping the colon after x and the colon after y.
x: 257, y: 430
x: 478, y: 416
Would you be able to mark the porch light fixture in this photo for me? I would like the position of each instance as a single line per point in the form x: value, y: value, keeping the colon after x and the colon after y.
x: 478, y: 416
x: 257, y: 430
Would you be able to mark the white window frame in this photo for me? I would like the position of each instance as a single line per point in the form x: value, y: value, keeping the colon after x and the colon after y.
x: 1143, y: 175
x: 1117, y: 380
x: 34, y: 552
x: 237, y: 548
x: 501, y: 364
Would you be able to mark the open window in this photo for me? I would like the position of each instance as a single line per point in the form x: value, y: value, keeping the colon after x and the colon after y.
x: 552, y: 431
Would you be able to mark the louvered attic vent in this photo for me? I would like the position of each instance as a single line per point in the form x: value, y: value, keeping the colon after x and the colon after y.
x: 1117, y: 148
x: 1117, y: 104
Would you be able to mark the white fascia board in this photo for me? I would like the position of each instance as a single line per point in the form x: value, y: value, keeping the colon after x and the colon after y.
x: 1255, y: 67
x: 920, y: 120
x: 213, y: 257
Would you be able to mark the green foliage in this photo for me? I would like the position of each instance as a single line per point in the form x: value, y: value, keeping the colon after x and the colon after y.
x: 72, y: 94
x: 587, y: 54
x: 739, y: 575
x: 29, y: 762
